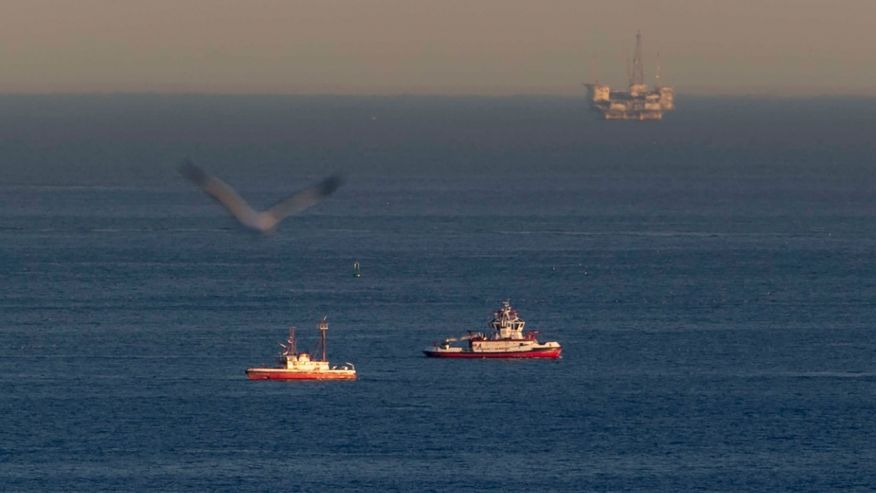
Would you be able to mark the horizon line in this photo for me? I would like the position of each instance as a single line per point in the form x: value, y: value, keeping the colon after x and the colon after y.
x: 460, y: 95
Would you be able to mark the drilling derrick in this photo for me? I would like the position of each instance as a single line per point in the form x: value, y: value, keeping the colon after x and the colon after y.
x: 637, y: 75
x: 637, y: 103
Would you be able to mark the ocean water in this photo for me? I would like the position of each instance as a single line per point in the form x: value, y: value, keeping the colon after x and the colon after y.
x: 710, y: 276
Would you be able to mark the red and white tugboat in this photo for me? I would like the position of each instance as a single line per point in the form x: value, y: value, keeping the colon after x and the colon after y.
x: 508, y: 340
x: 302, y: 366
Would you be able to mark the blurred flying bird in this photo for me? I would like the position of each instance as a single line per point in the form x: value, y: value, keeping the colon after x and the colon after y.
x: 261, y: 221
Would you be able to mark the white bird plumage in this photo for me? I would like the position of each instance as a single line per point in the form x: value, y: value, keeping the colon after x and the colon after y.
x: 261, y: 221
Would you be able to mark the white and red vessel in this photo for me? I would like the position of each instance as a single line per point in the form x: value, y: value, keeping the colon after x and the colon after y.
x: 508, y: 340
x: 303, y: 366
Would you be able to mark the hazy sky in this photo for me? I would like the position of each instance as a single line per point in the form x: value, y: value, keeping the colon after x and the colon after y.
x: 440, y: 46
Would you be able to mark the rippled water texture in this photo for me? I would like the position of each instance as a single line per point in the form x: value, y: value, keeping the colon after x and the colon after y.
x: 710, y: 277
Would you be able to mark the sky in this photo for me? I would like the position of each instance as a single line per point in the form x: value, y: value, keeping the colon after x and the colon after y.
x: 478, y: 47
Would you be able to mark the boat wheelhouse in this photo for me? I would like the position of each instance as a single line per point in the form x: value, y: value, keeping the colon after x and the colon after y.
x: 507, y: 340
x: 295, y: 365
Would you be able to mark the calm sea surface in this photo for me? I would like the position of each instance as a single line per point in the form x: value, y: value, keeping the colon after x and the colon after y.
x: 711, y: 278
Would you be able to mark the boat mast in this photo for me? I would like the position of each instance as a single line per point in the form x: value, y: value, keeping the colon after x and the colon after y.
x: 323, y: 330
x: 292, y: 340
x: 291, y: 349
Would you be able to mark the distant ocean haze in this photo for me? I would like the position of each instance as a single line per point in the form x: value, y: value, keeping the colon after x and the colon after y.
x: 135, y: 140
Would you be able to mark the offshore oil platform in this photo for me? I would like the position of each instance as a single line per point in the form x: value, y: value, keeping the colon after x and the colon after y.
x: 640, y: 102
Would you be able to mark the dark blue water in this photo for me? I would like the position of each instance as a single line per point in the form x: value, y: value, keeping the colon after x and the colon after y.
x: 711, y: 278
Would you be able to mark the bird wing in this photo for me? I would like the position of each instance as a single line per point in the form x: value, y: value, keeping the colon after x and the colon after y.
x: 222, y: 193
x: 301, y: 200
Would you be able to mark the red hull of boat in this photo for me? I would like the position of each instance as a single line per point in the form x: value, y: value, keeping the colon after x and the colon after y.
x: 552, y: 353
x: 285, y: 375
